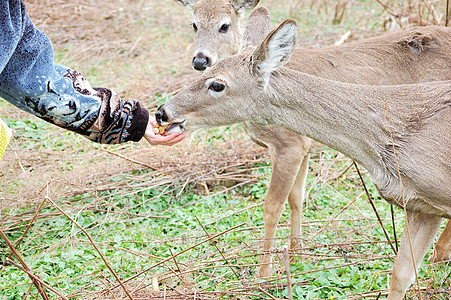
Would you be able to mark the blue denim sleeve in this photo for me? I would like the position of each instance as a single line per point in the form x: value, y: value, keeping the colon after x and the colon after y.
x: 30, y: 80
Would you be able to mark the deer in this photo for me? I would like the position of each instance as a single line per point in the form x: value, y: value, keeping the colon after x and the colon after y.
x: 218, y: 28
x: 399, y: 133
x: 410, y: 56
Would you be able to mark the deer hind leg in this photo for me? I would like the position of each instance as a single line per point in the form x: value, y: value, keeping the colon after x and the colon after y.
x: 443, y: 247
x: 422, y: 228
x: 296, y: 202
x: 286, y: 164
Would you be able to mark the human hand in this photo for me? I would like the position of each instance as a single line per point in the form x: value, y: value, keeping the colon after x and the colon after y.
x: 161, y: 139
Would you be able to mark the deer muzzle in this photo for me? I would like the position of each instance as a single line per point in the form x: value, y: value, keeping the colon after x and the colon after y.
x: 164, y: 117
x: 201, y: 62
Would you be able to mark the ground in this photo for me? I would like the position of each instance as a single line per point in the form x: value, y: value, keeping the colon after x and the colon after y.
x: 188, y: 217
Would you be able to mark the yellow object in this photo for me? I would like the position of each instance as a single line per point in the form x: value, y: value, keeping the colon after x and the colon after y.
x: 157, y: 129
x: 5, y: 136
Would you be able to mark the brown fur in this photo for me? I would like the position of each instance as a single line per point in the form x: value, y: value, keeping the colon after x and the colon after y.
x: 388, y: 59
x: 350, y: 118
x: 414, y: 55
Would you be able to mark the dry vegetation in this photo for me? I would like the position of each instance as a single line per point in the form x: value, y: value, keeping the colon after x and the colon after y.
x: 142, y: 49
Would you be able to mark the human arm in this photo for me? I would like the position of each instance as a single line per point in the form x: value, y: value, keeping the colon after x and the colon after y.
x: 31, y: 80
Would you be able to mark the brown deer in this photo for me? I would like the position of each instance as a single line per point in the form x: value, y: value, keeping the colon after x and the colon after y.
x: 217, y: 28
x: 401, y: 134
x: 411, y: 56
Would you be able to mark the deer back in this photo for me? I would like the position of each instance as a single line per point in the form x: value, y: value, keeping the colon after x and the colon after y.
x: 419, y: 54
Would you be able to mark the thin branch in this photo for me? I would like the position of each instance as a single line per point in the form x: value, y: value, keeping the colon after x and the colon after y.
x: 26, y: 230
x: 370, y: 199
x: 26, y: 269
x: 28, y: 291
x: 332, y: 219
x: 447, y: 14
x: 394, y: 227
x: 432, y: 12
x: 93, y: 244
x: 181, y: 252
x: 403, y: 199
x: 286, y: 259
x: 387, y: 9
x: 129, y: 159
x: 29, y: 224
x: 37, y: 279
x: 217, y: 248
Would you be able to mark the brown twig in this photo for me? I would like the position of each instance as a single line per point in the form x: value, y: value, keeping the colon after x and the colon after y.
x: 394, y: 227
x: 29, y: 224
x: 447, y: 14
x: 181, y: 252
x: 106, y: 285
x: 217, y: 248
x: 432, y: 12
x: 36, y: 278
x: 28, y: 291
x: 403, y: 199
x: 177, y: 266
x: 26, y: 230
x: 332, y: 219
x: 286, y: 259
x: 37, y: 283
x: 129, y: 159
x: 266, y: 293
x: 370, y: 199
x: 93, y: 244
x: 388, y: 10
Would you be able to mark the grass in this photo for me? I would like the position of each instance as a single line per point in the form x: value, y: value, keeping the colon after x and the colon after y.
x: 190, y: 215
x: 137, y: 227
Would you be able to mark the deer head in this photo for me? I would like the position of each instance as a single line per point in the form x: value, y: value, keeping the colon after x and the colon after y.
x: 223, y: 87
x: 217, y: 28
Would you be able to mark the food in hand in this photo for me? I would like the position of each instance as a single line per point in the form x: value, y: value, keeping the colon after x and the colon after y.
x: 157, y: 129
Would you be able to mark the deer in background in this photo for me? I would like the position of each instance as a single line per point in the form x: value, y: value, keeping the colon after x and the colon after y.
x: 415, y: 55
x: 401, y: 134
x: 217, y: 28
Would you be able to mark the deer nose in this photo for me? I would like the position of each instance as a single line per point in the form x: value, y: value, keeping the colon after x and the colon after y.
x: 160, y: 115
x: 201, y: 62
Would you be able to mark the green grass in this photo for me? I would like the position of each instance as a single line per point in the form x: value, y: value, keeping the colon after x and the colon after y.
x: 131, y: 241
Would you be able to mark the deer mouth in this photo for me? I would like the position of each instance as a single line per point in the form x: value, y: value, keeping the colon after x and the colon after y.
x: 179, y: 127
x: 164, y: 118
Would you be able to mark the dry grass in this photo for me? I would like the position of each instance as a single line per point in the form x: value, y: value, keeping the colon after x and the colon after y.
x: 141, y: 48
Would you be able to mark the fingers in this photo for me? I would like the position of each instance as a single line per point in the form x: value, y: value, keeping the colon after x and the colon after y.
x: 155, y: 136
x: 166, y: 140
x: 169, y: 140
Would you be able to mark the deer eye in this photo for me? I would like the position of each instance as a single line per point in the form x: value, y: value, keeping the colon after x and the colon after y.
x: 224, y: 28
x: 216, y: 86
x: 194, y: 27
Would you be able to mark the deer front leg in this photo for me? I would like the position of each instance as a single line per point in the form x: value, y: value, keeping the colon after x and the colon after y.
x: 422, y: 228
x: 296, y: 202
x: 443, y: 247
x: 286, y: 166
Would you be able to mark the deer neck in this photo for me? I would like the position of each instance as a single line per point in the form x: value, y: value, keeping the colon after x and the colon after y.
x: 345, y: 117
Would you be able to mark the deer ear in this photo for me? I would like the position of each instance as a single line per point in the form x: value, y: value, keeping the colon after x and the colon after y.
x: 241, y: 6
x: 187, y: 3
x: 257, y: 27
x: 275, y: 51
